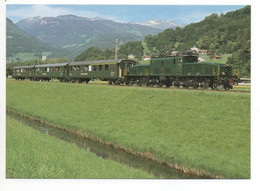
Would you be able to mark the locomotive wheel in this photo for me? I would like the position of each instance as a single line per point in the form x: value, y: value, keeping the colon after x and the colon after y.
x: 215, y: 84
x: 159, y: 84
x: 168, y: 84
x: 204, y: 83
x: 195, y: 87
x: 226, y: 87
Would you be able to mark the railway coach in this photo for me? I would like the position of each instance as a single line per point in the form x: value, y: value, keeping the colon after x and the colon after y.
x: 23, y: 72
x: 112, y: 71
x: 46, y: 72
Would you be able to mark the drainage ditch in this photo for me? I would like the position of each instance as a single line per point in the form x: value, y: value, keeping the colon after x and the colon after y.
x: 105, y: 151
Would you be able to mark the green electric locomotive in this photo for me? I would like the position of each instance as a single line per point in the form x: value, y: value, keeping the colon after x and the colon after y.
x: 182, y: 70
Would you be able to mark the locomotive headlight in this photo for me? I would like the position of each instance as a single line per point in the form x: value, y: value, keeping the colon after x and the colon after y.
x: 223, y: 73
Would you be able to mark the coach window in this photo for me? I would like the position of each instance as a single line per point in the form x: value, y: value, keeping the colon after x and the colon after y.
x: 100, y: 67
x: 94, y: 68
x: 86, y: 68
x: 48, y: 69
x: 90, y: 68
x: 174, y: 61
x: 180, y: 61
x: 106, y: 67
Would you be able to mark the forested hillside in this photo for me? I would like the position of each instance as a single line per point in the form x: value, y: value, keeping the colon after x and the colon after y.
x: 18, y: 41
x: 94, y: 53
x: 224, y: 34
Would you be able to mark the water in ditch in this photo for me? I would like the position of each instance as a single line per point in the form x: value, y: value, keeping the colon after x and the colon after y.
x: 104, y: 151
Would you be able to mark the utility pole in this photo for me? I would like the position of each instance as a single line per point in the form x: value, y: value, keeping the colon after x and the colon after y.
x: 116, y: 44
x: 38, y: 58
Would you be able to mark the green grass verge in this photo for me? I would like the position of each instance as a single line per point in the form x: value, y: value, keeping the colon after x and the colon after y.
x: 31, y: 154
x: 197, y: 129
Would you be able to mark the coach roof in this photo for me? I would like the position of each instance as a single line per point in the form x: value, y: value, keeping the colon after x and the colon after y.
x: 95, y: 62
x: 50, y: 65
x: 28, y: 66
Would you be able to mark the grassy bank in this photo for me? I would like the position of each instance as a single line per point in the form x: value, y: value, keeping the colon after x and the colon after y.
x: 201, y: 130
x: 31, y: 154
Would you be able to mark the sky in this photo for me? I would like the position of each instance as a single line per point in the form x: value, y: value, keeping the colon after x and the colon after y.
x: 182, y: 14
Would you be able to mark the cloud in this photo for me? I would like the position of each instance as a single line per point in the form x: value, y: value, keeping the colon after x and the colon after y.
x: 35, y: 10
x: 193, y: 17
x: 53, y: 11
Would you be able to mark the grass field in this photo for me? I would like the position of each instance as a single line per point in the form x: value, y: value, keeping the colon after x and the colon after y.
x: 200, y: 130
x: 31, y: 154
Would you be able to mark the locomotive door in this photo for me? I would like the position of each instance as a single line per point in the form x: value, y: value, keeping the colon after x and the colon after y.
x: 120, y: 70
x: 123, y: 69
x: 179, y: 66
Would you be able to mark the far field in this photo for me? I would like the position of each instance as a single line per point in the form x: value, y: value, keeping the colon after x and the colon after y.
x: 204, y: 131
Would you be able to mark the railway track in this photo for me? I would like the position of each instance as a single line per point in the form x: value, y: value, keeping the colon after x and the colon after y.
x: 172, y: 88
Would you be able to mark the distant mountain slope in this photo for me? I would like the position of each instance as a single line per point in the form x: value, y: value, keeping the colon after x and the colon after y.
x: 18, y: 41
x: 160, y: 24
x: 78, y: 33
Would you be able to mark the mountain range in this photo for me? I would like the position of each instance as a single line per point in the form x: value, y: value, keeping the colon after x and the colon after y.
x: 69, y: 35
x: 78, y: 33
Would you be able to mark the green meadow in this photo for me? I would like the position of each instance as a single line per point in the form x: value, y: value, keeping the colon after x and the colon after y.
x: 205, y: 131
x: 31, y: 154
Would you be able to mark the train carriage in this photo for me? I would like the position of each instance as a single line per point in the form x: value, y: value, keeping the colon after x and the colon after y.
x: 46, y: 72
x: 112, y: 71
x: 23, y: 72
